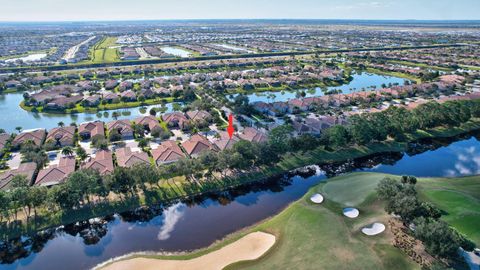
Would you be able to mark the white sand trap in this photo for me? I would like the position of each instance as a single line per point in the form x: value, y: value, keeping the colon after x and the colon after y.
x: 249, y: 247
x: 351, y: 212
x: 316, y: 198
x: 374, y: 229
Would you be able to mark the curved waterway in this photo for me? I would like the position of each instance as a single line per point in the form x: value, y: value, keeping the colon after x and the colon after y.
x: 195, y: 224
x: 12, y: 116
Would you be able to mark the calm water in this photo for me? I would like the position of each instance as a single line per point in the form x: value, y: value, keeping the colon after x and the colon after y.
x: 176, y: 51
x: 12, y: 116
x: 360, y: 82
x: 197, y: 224
x: 28, y: 58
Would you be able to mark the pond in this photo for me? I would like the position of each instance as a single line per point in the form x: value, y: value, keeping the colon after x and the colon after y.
x: 29, y: 58
x: 196, y: 224
x: 12, y: 116
x: 360, y: 82
x: 176, y: 51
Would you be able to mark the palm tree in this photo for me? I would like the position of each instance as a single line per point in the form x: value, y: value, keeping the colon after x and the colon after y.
x: 18, y: 129
x: 81, y: 153
x: 67, y: 151
x: 61, y: 124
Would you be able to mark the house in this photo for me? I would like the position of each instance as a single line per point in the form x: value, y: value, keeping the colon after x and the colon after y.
x: 26, y: 169
x: 92, y: 101
x: 175, y: 119
x: 197, y: 145
x: 199, y: 116
x: 12, y: 84
x: 37, y: 136
x: 110, y: 84
x: 63, y: 102
x: 167, y: 152
x: 225, y: 142
x: 111, y: 97
x: 102, y: 162
x: 253, y: 135
x: 123, y: 127
x: 149, y: 122
x: 127, y: 158
x: 4, y: 137
x: 91, y: 129
x: 62, y: 136
x: 56, y: 174
x: 128, y: 96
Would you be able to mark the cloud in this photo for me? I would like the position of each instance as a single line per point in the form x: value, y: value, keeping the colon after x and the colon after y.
x: 172, y: 215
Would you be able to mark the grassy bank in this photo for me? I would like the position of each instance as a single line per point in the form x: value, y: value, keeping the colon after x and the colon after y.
x: 178, y: 188
x: 102, y: 107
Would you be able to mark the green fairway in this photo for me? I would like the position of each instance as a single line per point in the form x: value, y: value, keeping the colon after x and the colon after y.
x: 459, y: 198
x: 320, y: 237
x: 311, y: 236
x: 103, y: 53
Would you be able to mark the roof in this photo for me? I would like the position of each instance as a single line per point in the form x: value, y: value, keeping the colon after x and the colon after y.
x: 167, y: 151
x: 61, y: 133
x: 26, y: 169
x: 56, y: 174
x: 149, y: 120
x: 198, y: 115
x: 94, y: 128
x: 123, y: 126
x: 253, y: 135
x: 3, y: 139
x: 36, y: 136
x: 127, y: 158
x: 102, y: 162
x: 198, y: 144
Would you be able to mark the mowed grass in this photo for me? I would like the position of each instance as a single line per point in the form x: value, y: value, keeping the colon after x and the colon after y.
x: 102, y: 53
x: 459, y: 199
x: 313, y: 236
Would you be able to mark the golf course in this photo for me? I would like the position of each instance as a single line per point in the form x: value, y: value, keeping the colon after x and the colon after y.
x: 319, y: 236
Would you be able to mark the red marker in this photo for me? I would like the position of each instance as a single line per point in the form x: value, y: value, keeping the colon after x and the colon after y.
x: 230, y: 128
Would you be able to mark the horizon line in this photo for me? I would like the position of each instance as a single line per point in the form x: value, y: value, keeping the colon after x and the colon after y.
x: 240, y: 19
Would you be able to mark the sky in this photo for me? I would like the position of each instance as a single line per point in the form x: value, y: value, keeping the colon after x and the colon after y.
x: 99, y: 10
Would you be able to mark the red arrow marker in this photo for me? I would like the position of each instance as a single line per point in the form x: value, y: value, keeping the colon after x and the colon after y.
x: 230, y: 128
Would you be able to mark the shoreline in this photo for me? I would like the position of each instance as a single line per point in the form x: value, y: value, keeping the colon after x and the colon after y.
x: 289, y: 162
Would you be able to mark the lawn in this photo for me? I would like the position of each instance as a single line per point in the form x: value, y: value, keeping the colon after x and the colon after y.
x: 459, y: 198
x: 102, y: 51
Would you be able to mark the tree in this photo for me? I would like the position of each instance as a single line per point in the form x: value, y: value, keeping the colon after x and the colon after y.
x: 139, y: 130
x: 114, y: 136
x: 152, y: 112
x: 38, y: 196
x: 142, y: 143
x: 280, y: 137
x: 81, y: 153
x: 61, y: 124
x: 18, y: 129
x: 67, y: 151
x: 121, y: 181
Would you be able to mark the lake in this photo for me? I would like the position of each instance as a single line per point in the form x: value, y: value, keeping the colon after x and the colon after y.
x: 12, y: 116
x: 176, y: 51
x: 29, y: 58
x: 360, y: 82
x: 196, y: 224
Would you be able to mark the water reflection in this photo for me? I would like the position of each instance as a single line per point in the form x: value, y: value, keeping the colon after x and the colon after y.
x: 198, y: 222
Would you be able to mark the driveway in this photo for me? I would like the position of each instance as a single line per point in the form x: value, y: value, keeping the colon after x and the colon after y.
x: 15, y: 160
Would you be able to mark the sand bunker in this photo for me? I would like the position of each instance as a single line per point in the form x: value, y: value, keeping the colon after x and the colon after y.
x: 351, y: 212
x: 249, y: 247
x: 317, y: 198
x: 374, y: 229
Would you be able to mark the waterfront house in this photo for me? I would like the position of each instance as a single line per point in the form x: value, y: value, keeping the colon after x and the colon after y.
x: 127, y: 158
x: 197, y: 145
x: 102, y: 162
x: 123, y: 127
x: 61, y: 136
x: 37, y: 136
x: 26, y: 169
x: 253, y: 135
x: 175, y: 119
x: 167, y: 152
x: 91, y: 129
x: 56, y: 174
x: 149, y: 122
